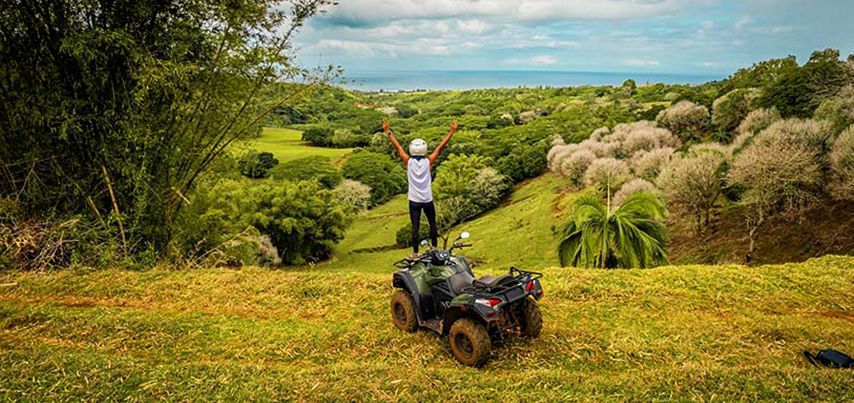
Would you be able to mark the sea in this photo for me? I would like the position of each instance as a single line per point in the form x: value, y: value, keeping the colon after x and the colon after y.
x: 396, y: 81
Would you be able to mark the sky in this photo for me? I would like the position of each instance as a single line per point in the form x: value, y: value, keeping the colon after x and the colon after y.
x: 701, y: 37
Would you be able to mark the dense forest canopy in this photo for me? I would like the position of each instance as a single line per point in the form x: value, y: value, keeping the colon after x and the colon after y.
x: 124, y: 126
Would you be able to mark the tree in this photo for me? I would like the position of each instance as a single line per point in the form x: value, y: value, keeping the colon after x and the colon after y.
x: 693, y: 183
x: 385, y: 177
x: 632, y: 235
x: 842, y: 166
x: 685, y: 119
x: 780, y: 171
x: 798, y: 92
x: 320, y: 136
x: 316, y: 167
x: 729, y: 110
x: 606, y: 175
x: 118, y: 109
x: 257, y: 164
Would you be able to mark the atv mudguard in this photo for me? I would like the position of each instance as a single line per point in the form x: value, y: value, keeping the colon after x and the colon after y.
x: 463, y: 306
x: 405, y: 281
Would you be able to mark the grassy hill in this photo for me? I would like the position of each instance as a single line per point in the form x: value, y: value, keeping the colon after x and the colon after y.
x: 287, y: 145
x: 689, y: 332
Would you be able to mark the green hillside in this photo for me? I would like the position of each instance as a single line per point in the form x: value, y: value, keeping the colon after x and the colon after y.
x: 692, y: 332
x: 287, y: 145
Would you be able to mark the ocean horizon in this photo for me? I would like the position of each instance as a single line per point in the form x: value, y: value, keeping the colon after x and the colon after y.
x: 476, y: 79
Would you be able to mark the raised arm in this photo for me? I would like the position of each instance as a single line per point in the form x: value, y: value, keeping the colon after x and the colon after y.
x: 435, y: 154
x: 403, y: 155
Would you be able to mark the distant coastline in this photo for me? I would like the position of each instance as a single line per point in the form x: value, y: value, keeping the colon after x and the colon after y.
x: 393, y: 81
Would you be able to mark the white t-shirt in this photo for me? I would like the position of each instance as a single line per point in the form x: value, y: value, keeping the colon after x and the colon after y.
x: 420, y: 181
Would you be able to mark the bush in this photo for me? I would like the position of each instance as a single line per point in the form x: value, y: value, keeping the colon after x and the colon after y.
x: 309, y: 168
x: 354, y: 194
x: 631, y: 187
x: 778, y: 172
x: 606, y: 175
x: 466, y: 186
x: 729, y: 110
x: 385, y: 177
x: 758, y: 120
x: 693, y: 183
x: 647, y: 164
x: 320, y: 136
x: 575, y: 165
x: 256, y: 164
x: 842, y: 166
x: 798, y: 92
x: 685, y: 119
x: 647, y: 138
x: 752, y: 124
x: 839, y: 110
x: 455, y: 175
x: 815, y: 136
x: 345, y: 138
x: 523, y: 162
x: 302, y: 220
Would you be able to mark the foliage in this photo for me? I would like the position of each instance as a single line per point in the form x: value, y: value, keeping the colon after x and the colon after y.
x: 763, y: 74
x: 354, y: 195
x: 798, y: 92
x: 780, y: 170
x: 256, y: 164
x: 842, y: 165
x: 122, y: 107
x: 839, y: 110
x: 467, y: 186
x: 731, y: 109
x: 693, y: 182
x: 631, y: 187
x: 385, y: 177
x: 302, y: 220
x: 317, y: 168
x: 607, y: 175
x: 526, y: 161
x: 647, y: 165
x: 320, y: 136
x: 575, y: 166
x: 686, y: 119
x: 632, y: 235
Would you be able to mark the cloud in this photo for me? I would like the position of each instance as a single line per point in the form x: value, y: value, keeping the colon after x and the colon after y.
x: 360, y: 13
x: 538, y: 61
x: 641, y: 63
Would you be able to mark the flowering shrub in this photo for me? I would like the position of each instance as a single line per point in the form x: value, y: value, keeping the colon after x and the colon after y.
x: 686, y: 119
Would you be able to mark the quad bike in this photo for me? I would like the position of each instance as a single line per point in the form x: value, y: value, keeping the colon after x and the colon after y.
x: 438, y: 291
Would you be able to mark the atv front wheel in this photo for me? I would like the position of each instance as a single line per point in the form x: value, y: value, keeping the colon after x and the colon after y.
x: 470, y: 342
x: 403, y: 312
x: 531, y: 320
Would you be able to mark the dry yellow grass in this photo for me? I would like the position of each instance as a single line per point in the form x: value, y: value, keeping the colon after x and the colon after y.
x: 683, y: 332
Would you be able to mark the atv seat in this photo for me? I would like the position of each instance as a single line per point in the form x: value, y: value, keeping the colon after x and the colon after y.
x: 495, y: 282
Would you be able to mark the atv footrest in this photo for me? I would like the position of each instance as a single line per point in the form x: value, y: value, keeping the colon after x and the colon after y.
x: 433, y: 324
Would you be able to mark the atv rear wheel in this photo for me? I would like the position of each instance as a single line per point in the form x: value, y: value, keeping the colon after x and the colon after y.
x: 470, y: 342
x: 403, y: 312
x: 531, y: 319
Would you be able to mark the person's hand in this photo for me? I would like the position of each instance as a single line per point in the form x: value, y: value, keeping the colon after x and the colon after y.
x: 454, y: 126
x: 386, y: 129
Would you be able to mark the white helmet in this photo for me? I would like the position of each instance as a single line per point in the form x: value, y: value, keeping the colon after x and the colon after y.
x: 418, y: 148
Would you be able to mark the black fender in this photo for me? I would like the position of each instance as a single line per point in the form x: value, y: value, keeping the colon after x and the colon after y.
x: 404, y: 281
x: 466, y: 311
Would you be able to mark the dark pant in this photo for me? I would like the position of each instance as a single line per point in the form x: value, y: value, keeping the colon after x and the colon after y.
x: 415, y: 217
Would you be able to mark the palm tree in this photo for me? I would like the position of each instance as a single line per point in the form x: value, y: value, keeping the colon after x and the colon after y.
x: 632, y: 235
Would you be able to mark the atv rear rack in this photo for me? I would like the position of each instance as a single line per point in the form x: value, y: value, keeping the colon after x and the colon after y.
x: 520, y: 276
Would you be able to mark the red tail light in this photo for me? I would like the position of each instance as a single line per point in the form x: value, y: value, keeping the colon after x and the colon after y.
x: 490, y: 302
x: 530, y: 286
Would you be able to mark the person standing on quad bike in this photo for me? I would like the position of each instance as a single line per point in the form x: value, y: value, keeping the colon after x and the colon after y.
x: 418, y: 166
